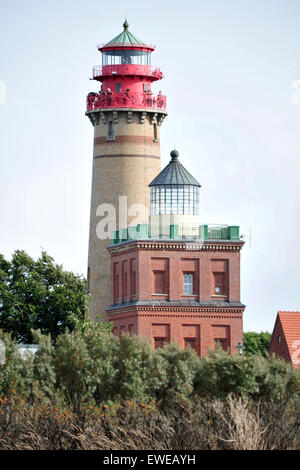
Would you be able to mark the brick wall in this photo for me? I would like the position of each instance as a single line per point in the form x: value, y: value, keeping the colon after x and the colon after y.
x: 162, y: 270
x: 179, y: 325
x: 123, y: 166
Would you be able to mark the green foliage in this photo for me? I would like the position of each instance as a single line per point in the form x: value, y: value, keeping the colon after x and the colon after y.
x: 39, y: 295
x: 172, y: 378
x: 16, y: 378
x: 257, y: 343
x: 90, y: 367
x: 221, y: 374
x: 44, y: 374
x: 135, y: 364
x: 85, y: 365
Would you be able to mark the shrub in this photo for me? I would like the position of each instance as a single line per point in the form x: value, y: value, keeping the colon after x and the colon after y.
x: 220, y: 374
x: 173, y: 375
x: 257, y: 343
x: 16, y: 375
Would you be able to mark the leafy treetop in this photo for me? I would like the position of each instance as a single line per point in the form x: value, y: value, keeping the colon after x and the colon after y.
x: 39, y: 295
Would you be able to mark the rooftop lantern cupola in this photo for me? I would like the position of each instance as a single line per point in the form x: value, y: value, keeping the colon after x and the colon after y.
x: 126, y: 49
x: 174, y: 190
x: 174, y: 197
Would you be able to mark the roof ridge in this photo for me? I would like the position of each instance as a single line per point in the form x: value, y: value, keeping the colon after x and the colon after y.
x: 125, y: 38
x: 174, y: 174
x: 188, y: 175
x: 288, y: 311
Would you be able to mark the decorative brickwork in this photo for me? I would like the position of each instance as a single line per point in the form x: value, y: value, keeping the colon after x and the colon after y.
x: 200, y: 320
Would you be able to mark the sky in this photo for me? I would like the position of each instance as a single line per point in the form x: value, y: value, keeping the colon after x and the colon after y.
x: 232, y: 79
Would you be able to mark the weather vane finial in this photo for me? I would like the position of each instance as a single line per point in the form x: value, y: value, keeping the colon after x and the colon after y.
x: 125, y: 24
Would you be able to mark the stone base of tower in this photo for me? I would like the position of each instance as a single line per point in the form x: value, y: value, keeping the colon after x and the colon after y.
x: 200, y: 328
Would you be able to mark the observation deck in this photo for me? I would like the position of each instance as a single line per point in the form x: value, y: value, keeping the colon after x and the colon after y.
x: 97, y: 101
x: 151, y: 72
x: 229, y: 233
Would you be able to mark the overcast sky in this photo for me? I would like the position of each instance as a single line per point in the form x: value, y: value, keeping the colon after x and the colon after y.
x: 231, y: 70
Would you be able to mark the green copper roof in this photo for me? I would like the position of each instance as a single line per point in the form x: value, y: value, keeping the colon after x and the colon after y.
x: 174, y: 173
x: 126, y: 39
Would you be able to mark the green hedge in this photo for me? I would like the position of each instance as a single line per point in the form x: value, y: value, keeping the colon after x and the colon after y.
x: 90, y: 366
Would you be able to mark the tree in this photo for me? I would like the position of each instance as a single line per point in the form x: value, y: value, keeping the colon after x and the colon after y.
x: 257, y: 343
x: 39, y: 295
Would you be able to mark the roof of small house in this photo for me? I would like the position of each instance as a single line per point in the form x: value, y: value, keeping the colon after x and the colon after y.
x: 290, y: 324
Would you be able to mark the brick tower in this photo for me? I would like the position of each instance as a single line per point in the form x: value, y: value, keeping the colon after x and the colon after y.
x: 175, y: 280
x: 126, y: 116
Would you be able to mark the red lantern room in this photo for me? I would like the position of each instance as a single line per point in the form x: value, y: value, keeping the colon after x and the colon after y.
x: 126, y: 75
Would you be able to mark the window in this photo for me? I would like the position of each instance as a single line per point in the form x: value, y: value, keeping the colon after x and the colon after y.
x: 190, y: 343
x: 219, y: 283
x: 124, y: 280
x: 118, y: 87
x: 133, y: 280
x: 145, y: 87
x: 155, y: 132
x: 175, y: 199
x: 159, y: 342
x: 126, y: 57
x: 279, y: 339
x: 159, y: 282
x: 111, y: 131
x: 131, y: 329
x: 221, y: 343
x: 116, y: 281
x: 188, y: 280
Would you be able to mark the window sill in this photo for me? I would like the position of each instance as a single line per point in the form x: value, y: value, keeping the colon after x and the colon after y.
x: 189, y: 295
x: 160, y: 295
x: 110, y: 138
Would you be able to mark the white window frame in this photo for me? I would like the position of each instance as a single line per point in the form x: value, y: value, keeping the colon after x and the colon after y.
x: 188, y: 283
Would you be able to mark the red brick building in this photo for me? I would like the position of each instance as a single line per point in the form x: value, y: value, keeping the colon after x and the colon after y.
x: 174, y: 280
x: 285, y: 341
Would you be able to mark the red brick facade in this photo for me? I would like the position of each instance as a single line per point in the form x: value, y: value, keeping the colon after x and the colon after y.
x: 149, y: 298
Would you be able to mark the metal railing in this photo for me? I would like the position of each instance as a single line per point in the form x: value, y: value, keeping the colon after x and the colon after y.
x: 175, y: 232
x: 128, y: 69
x: 125, y: 100
x: 189, y: 232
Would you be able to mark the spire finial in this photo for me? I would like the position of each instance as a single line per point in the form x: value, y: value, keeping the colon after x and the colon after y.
x: 174, y: 154
x: 125, y: 25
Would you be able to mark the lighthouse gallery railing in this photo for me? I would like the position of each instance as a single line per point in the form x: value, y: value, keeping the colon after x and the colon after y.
x: 125, y: 100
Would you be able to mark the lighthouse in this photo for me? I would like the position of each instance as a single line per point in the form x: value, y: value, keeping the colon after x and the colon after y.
x: 126, y: 115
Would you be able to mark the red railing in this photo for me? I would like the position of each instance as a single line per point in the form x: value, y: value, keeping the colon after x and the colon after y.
x: 125, y: 100
x: 127, y: 69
